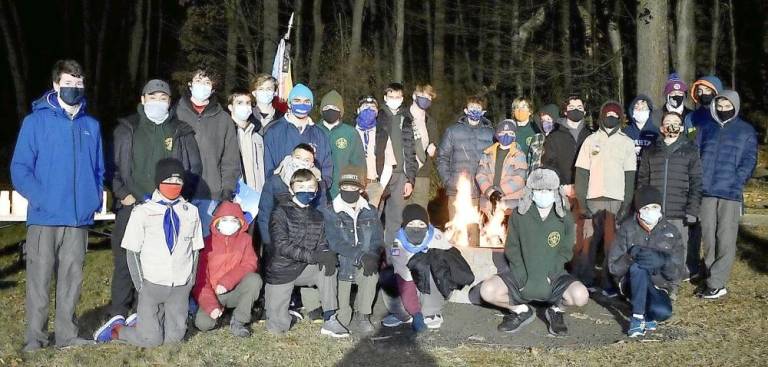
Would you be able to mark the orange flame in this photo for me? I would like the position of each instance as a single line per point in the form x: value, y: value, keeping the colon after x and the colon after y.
x: 492, y: 234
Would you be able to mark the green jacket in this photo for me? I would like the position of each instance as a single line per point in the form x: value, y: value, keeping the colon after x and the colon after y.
x: 346, y: 149
x: 537, y: 250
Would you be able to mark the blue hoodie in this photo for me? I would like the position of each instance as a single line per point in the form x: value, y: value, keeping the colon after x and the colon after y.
x: 58, y: 165
x: 647, y: 136
x: 701, y: 115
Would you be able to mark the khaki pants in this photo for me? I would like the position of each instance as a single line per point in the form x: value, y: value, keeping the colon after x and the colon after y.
x: 241, y: 299
x: 278, y: 296
x: 366, y: 292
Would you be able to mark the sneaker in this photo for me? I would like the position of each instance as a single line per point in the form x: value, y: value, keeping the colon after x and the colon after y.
x: 610, y: 292
x: 296, y: 314
x: 515, y: 321
x: 362, y: 323
x: 104, y: 333
x: 238, y: 329
x: 131, y: 320
x: 316, y: 315
x: 333, y: 328
x: 434, y: 321
x: 636, y: 327
x: 651, y: 325
x: 393, y: 320
x: 713, y: 293
x: 418, y: 325
x: 556, y: 322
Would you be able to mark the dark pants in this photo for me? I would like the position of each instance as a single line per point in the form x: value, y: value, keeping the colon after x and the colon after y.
x: 123, y: 292
x: 693, y: 256
x: 646, y: 299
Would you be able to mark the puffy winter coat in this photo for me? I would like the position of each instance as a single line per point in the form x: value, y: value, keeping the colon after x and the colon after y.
x: 513, y: 174
x: 460, y: 150
x: 674, y: 170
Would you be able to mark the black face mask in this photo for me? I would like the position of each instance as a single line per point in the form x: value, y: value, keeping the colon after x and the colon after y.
x: 71, y: 95
x: 575, y: 115
x: 350, y: 197
x: 726, y: 115
x: 331, y: 116
x: 610, y: 122
x: 706, y: 99
x: 676, y: 101
x: 415, y: 235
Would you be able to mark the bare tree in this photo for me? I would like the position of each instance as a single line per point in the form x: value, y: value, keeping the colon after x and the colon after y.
x: 614, y: 38
x: 685, y: 41
x: 357, y: 31
x: 399, y: 39
x: 732, y: 33
x: 96, y: 73
x: 137, y: 35
x: 298, y: 64
x: 147, y: 32
x: 715, y: 43
x: 652, y: 47
x: 438, y: 49
x: 270, y: 32
x: 565, y: 42
x: 230, y: 70
x: 16, y: 69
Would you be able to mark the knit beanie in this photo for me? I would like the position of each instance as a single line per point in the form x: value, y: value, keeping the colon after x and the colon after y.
x: 167, y: 168
x: 333, y: 98
x: 505, y: 126
x: 301, y: 91
x: 674, y: 83
x: 646, y: 195
x: 413, y: 212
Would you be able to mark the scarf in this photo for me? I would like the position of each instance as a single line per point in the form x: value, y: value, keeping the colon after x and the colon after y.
x: 289, y: 166
x: 422, y: 247
x: 420, y: 125
x: 170, y: 223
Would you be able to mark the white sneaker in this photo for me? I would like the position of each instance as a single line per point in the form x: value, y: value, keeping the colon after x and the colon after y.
x: 434, y: 321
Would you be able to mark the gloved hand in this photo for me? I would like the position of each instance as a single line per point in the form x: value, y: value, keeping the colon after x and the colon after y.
x: 327, y: 260
x: 691, y: 219
x: 370, y: 264
x: 650, y: 259
x: 495, y: 197
x: 622, y: 213
x: 585, y: 213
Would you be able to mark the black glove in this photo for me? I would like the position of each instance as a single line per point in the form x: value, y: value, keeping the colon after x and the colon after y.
x: 370, y: 264
x: 649, y: 259
x: 585, y: 213
x: 622, y: 213
x: 495, y: 197
x: 327, y: 260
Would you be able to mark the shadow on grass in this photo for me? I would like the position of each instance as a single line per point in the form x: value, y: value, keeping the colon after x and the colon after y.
x: 753, y: 249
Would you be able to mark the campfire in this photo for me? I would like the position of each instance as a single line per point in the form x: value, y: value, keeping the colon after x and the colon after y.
x: 492, y: 233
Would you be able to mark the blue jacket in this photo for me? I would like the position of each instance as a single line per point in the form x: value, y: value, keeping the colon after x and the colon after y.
x: 283, y: 136
x: 460, y: 151
x: 646, y: 137
x: 58, y: 165
x: 728, y: 153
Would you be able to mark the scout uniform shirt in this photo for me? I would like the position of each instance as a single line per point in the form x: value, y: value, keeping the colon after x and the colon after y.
x: 607, y: 157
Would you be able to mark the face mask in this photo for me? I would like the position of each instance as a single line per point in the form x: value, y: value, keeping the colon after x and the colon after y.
x: 350, y: 197
x: 171, y: 191
x: 543, y: 198
x: 611, y: 122
x: 423, y: 102
x: 366, y: 119
x: 475, y: 115
x: 675, y: 101
x: 331, y: 116
x: 641, y: 116
x: 522, y: 115
x: 506, y: 140
x: 264, y: 96
x: 201, y: 92
x: 394, y: 103
x: 672, y: 131
x: 650, y: 216
x: 415, y: 235
x: 304, y: 197
x: 156, y: 111
x: 71, y: 95
x: 547, y: 126
x: 242, y: 112
x: 228, y: 227
x: 706, y: 99
x: 726, y: 115
x: 575, y: 115
x: 301, y: 110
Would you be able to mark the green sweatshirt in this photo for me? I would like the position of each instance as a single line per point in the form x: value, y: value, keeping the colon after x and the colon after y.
x: 537, y: 250
x: 151, y: 143
x: 346, y: 149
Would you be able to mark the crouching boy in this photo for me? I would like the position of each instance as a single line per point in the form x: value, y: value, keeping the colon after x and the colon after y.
x: 354, y: 231
x: 226, y: 275
x: 539, y: 243
x: 162, y: 240
x: 646, y: 260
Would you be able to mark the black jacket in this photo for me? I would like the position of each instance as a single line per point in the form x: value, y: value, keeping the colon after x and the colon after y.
x: 184, y: 149
x: 448, y: 269
x: 408, y: 154
x: 561, y: 150
x: 297, y: 234
x: 460, y: 151
x: 664, y: 238
x: 675, y: 171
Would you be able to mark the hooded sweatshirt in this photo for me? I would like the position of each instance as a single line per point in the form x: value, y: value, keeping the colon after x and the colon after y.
x: 645, y: 136
x: 346, y: 146
x: 58, y: 164
x: 701, y: 115
x: 225, y: 260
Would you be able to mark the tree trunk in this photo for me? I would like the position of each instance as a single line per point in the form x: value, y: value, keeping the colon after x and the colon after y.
x: 20, y: 44
x: 430, y: 41
x: 13, y: 63
x: 438, y: 50
x: 672, y: 43
x: 230, y: 72
x: 652, y: 44
x: 517, y: 61
x: 685, y: 41
x: 147, y: 33
x: 159, y: 39
x: 614, y: 38
x: 496, y: 45
x: 399, y: 39
x: 565, y: 43
x: 87, y: 32
x: 270, y: 32
x: 715, y: 42
x: 299, y: 66
x: 137, y: 35
x: 357, y: 31
x: 732, y: 32
x: 97, y: 82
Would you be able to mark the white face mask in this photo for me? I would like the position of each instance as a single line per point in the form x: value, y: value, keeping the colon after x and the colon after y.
x: 650, y: 216
x: 641, y: 116
x: 242, y: 112
x: 228, y: 227
x: 543, y: 198
x: 201, y: 92
x: 264, y: 96
x: 156, y: 111
x: 394, y: 103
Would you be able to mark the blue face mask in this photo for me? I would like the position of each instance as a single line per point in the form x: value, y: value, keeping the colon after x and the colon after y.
x: 305, y: 197
x: 423, y: 102
x: 475, y: 115
x: 301, y: 110
x: 72, y: 95
x: 506, y: 140
x: 366, y: 119
x: 548, y: 126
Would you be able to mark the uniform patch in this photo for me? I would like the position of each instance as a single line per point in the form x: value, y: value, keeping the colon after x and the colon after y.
x: 395, y: 251
x: 169, y: 144
x: 342, y: 143
x: 553, y: 239
x: 596, y: 149
x: 528, y: 140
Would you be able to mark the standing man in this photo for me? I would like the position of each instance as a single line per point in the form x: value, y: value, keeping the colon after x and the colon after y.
x: 728, y: 157
x: 425, y: 136
x: 217, y: 139
x: 346, y: 146
x: 263, y: 88
x: 641, y: 128
x: 140, y: 141
x: 58, y: 166
x: 251, y: 144
x: 675, y: 91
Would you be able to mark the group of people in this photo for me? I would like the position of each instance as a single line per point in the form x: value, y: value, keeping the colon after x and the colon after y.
x: 344, y: 205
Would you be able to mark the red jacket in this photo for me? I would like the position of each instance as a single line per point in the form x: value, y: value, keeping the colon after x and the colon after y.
x: 225, y: 260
